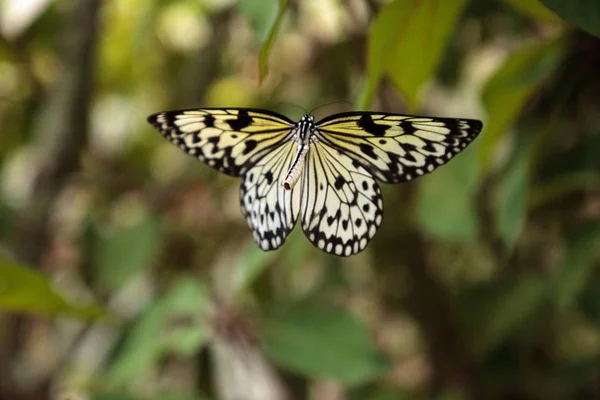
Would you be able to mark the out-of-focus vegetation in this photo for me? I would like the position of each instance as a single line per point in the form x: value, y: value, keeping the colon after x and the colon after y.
x: 127, y: 270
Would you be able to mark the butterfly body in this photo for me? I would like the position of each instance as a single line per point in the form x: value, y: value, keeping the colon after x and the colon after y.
x: 303, y: 136
x: 325, y: 171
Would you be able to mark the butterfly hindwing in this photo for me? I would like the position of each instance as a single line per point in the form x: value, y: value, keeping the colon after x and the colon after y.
x: 342, y: 205
x: 394, y: 147
x: 270, y: 211
x: 230, y: 140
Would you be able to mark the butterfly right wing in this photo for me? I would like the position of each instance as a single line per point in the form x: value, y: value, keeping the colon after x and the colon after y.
x: 395, y: 147
x: 342, y: 204
x: 271, y: 212
x: 230, y: 140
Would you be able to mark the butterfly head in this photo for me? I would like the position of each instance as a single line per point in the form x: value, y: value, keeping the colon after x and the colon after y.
x: 305, y: 127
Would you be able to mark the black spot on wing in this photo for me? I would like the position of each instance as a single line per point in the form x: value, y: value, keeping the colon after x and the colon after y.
x: 407, y: 127
x: 242, y: 121
x: 250, y: 145
x: 367, y: 150
x: 269, y: 178
x: 409, y: 157
x: 366, y: 123
x: 209, y: 121
x: 339, y: 182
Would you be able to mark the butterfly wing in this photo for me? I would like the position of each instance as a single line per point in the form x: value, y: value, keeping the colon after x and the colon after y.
x: 271, y: 212
x: 342, y: 204
x: 230, y: 140
x: 395, y: 147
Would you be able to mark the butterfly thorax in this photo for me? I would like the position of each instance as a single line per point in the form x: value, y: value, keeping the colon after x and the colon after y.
x: 303, y: 136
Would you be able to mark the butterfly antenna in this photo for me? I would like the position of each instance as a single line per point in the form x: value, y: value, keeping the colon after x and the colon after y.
x: 282, y: 103
x: 328, y: 104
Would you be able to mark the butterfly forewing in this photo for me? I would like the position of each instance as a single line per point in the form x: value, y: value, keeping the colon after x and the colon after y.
x: 342, y: 204
x: 270, y: 211
x: 229, y: 140
x: 395, y: 147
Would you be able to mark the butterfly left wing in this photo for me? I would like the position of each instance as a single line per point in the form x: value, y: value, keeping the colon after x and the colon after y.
x: 230, y: 140
x: 342, y: 204
x: 395, y: 147
x: 271, y: 212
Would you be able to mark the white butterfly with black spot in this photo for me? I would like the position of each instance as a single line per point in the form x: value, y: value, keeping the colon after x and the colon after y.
x: 326, y: 170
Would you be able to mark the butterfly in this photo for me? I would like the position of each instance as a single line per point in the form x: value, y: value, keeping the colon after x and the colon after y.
x: 326, y: 171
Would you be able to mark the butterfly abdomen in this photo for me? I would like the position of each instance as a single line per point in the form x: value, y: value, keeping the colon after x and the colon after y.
x: 295, y: 171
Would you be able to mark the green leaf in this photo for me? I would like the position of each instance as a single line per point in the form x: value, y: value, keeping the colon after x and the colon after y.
x: 321, y: 341
x: 166, y: 396
x: 7, y: 219
x: 384, y: 394
x: 507, y: 92
x: 23, y: 289
x: 406, y: 41
x: 126, y: 251
x: 533, y: 8
x: 265, y: 50
x: 562, y: 186
x: 577, y: 267
x: 252, y: 264
x: 512, y: 192
x: 262, y: 15
x: 445, y: 205
x: 176, y: 323
x: 582, y: 13
x: 497, y: 311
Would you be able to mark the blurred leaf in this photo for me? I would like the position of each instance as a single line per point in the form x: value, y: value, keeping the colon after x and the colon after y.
x: 512, y: 192
x: 574, y: 169
x: 262, y: 15
x: 384, y: 394
x: 115, y: 396
x: 321, y: 341
x: 562, y: 186
x: 582, y: 13
x: 533, y: 8
x: 497, y: 311
x: 407, y: 40
x: 253, y: 261
x: 23, y: 289
x: 582, y: 156
x: 175, y: 323
x: 265, y: 50
x: 7, y: 218
x: 589, y: 301
x: 128, y: 250
x: 450, y: 394
x: 445, y: 206
x: 507, y: 92
x: 230, y: 90
x: 578, y: 265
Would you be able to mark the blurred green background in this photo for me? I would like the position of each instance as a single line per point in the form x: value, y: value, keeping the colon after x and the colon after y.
x: 127, y: 271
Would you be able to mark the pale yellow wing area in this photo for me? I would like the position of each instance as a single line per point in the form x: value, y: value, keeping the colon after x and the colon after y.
x: 230, y: 140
